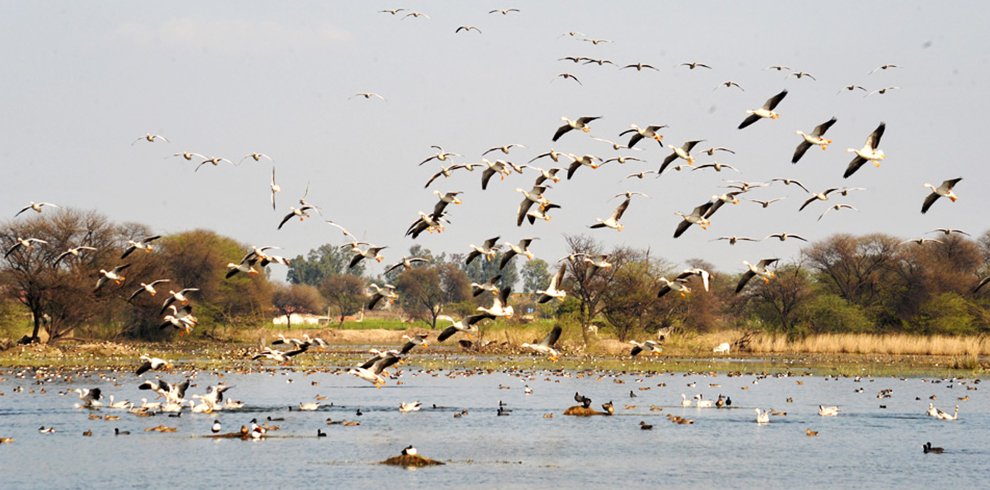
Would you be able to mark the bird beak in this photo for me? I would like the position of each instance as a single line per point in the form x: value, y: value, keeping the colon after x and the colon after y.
x: 586, y: 129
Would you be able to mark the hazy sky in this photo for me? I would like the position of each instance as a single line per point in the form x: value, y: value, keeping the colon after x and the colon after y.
x: 82, y: 80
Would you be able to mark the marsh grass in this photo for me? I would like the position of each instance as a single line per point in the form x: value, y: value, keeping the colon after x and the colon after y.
x: 886, y: 344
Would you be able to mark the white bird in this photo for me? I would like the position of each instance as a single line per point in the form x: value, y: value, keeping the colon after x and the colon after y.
x: 943, y: 190
x: 177, y: 296
x: 189, y: 155
x: 553, y: 290
x: 722, y: 348
x: 830, y: 411
x: 466, y: 325
x: 111, y: 275
x: 932, y: 411
x: 546, y: 346
x: 405, y: 407
x: 684, y: 401
x: 870, y: 152
x: 440, y: 155
x: 149, y: 288
x: 256, y: 157
x: 273, y: 188
x: 143, y: 244
x: 758, y: 269
x: 683, y: 152
x: 837, y: 207
x: 90, y: 398
x: 467, y: 28
x: 378, y: 293
x: 762, y: 416
x: 25, y: 243
x: 942, y: 415
x: 613, y: 220
x: 215, y: 161
x: 716, y: 166
x: 504, y: 149
x: 74, y: 251
x: 577, y: 162
x: 371, y: 371
x: 522, y: 248
x: 701, y: 402
x: 36, y: 207
x: 882, y: 91
x: 302, y: 213
x: 150, y: 138
x: 152, y: 364
x: 503, y: 11
x: 581, y: 123
x: 816, y: 138
x: 768, y: 202
x: 500, y: 305
x: 734, y: 239
x: 368, y: 95
x: 696, y: 217
x: 309, y: 406
x: 641, y: 133
x: 764, y: 112
x: 883, y: 67
x: 216, y: 428
x: 785, y: 236
x: 650, y: 346
x: 488, y: 249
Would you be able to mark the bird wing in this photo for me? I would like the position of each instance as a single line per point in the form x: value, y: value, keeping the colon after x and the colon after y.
x: 128, y: 251
x: 523, y: 209
x: 489, y: 243
x: 471, y: 256
x: 561, y: 131
x: 552, y: 337
x: 983, y: 282
x: 681, y: 228
x: 749, y: 120
x: 766, y: 263
x: 663, y: 291
x: 742, y: 281
x: 874, y: 140
x: 822, y: 128
x: 285, y: 220
x: 145, y: 367
x: 503, y: 295
x: 506, y: 258
x: 572, y: 168
x: 688, y: 146
x: 355, y: 260
x: 929, y: 201
x: 447, y: 333
x: 667, y: 161
x: 587, y: 119
x: 854, y: 165
x: 636, y: 137
x: 485, y: 177
x: 773, y: 101
x: 799, y: 152
x: 617, y: 214
x: 134, y: 295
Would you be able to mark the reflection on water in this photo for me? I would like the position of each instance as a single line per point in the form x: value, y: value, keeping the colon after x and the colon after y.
x: 865, y: 446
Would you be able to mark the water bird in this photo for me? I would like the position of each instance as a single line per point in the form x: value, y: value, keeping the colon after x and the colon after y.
x: 405, y: 407
x: 150, y: 138
x: 816, y: 138
x: 870, y: 152
x: 767, y: 111
x: 36, y: 207
x: 943, y: 190
x: 118, y: 432
x: 810, y: 433
x: 580, y: 123
x: 830, y: 411
x: 554, y: 290
x: 762, y: 416
x: 545, y: 346
x: 216, y: 428
x: 583, y: 400
x: 927, y: 448
x: 644, y: 426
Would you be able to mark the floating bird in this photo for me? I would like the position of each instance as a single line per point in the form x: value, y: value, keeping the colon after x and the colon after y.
x: 216, y: 427
x: 410, y: 407
x: 644, y: 426
x: 762, y: 416
x: 581, y: 123
x: 583, y: 400
x: 553, y: 290
x: 943, y: 190
x: 942, y: 415
x: 870, y: 152
x: 830, y: 411
x: 759, y: 269
x: 815, y: 138
x: 89, y: 398
x: 927, y: 448
x: 36, y: 207
x: 546, y: 346
x: 764, y: 112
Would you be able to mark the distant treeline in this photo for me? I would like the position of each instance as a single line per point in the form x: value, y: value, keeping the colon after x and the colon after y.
x: 872, y: 283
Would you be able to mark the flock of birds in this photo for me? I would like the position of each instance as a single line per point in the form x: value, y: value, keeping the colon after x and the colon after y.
x: 536, y: 205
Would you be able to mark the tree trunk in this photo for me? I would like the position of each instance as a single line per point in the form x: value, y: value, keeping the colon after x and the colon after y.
x: 36, y: 313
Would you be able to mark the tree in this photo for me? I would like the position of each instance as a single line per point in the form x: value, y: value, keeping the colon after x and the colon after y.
x: 855, y: 267
x: 296, y: 298
x: 345, y: 293
x: 631, y: 303
x: 320, y: 263
x: 780, y: 299
x: 535, y: 275
x: 59, y: 298
x: 423, y: 291
x: 588, y: 283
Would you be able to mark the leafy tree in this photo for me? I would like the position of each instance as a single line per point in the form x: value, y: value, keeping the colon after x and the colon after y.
x: 344, y: 293
x: 536, y: 275
x: 780, y: 299
x: 320, y: 263
x: 296, y: 298
x: 631, y: 303
x: 424, y: 291
x: 588, y: 284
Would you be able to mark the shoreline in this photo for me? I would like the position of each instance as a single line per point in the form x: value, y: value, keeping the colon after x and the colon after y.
x: 236, y: 357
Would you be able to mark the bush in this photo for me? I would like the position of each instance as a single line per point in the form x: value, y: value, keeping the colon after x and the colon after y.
x: 830, y: 313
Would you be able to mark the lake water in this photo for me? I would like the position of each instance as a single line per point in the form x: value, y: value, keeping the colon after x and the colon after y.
x: 865, y: 446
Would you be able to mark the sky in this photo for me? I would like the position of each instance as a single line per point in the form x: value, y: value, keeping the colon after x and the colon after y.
x: 82, y: 81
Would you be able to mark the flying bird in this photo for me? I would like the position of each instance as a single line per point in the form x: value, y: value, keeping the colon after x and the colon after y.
x: 683, y: 152
x: 503, y: 11
x: 369, y: 95
x: 882, y: 91
x: 74, y: 252
x: 613, y: 220
x: 759, y: 269
x: 504, y: 148
x: 729, y: 84
x: 25, y: 243
x: 111, y: 275
x: 488, y: 249
x: 546, y: 346
x: 696, y: 217
x: 142, y: 244
x: 640, y: 66
x: 302, y: 213
x: 581, y: 123
x: 837, y: 207
x: 694, y: 64
x: 36, y: 207
x: 764, y: 112
x: 256, y: 157
x: 553, y: 290
x: 150, y: 138
x: 640, y: 133
x: 569, y: 76
x: 870, y: 152
x: 522, y: 248
x: 943, y: 190
x: 817, y: 137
